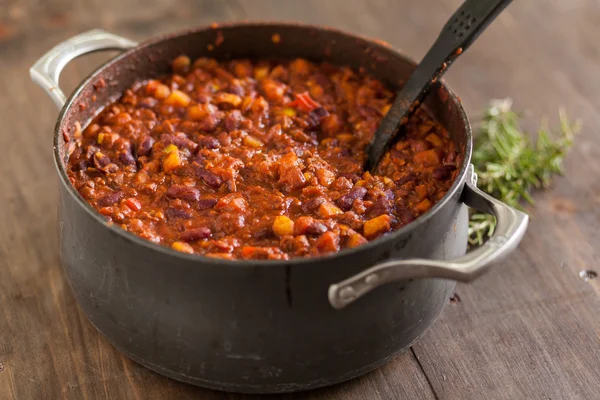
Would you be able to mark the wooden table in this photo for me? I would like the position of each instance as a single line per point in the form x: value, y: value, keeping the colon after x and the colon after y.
x: 530, y: 329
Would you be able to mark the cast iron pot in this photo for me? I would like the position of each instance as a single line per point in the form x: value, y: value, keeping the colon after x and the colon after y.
x: 263, y: 326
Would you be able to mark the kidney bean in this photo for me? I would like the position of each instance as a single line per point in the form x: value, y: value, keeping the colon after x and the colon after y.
x: 404, y: 214
x: 179, y: 141
x: 443, y: 172
x: 183, y: 192
x: 191, y: 235
x: 126, y: 157
x: 318, y: 113
x: 145, y: 146
x: 232, y: 120
x: 405, y: 179
x: 209, y: 123
x: 346, y: 201
x: 210, y: 178
x: 210, y: 142
x: 205, y: 204
x: 312, y: 204
x: 450, y: 157
x: 353, y: 177
x: 380, y: 206
x: 101, y: 160
x: 110, y: 199
x: 148, y: 102
x: 236, y: 88
x: 177, y: 213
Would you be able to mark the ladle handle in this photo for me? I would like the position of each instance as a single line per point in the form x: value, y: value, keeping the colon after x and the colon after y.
x: 465, y: 25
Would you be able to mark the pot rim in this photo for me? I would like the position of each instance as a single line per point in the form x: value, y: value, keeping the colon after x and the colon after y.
x: 200, y: 259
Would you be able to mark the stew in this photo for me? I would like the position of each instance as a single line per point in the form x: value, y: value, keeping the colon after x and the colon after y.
x: 257, y: 160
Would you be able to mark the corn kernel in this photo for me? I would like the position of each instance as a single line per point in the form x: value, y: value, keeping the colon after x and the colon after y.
x: 100, y: 138
x: 172, y: 162
x: 360, y: 183
x: 253, y: 142
x: 283, y: 226
x: 170, y: 148
x: 376, y: 226
x: 328, y: 210
x: 290, y: 112
x: 182, y: 247
x: 178, y: 98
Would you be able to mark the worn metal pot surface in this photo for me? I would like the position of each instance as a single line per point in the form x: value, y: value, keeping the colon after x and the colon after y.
x: 263, y: 326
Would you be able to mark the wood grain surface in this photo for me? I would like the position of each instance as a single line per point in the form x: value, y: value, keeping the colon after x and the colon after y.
x: 530, y: 329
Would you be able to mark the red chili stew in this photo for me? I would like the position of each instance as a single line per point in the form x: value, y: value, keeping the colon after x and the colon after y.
x: 257, y: 160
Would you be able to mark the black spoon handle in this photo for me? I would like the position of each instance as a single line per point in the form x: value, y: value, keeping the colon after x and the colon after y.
x: 465, y: 25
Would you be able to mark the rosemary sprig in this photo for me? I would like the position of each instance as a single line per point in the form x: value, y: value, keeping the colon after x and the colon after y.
x: 510, y: 165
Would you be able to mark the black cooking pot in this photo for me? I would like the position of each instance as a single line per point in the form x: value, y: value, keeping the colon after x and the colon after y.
x: 263, y: 326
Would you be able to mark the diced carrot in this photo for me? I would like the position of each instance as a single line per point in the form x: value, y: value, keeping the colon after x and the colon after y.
x: 182, y: 247
x: 355, y: 240
x: 161, y: 91
x: 106, y: 210
x: 273, y: 90
x: 328, y: 210
x: 228, y: 98
x: 172, y: 162
x: 428, y: 158
x: 226, y: 256
x: 424, y: 205
x: 283, y: 226
x: 178, y: 98
x: 325, y: 177
x: 253, y: 142
x: 377, y: 226
x: 328, y: 242
x: 421, y: 191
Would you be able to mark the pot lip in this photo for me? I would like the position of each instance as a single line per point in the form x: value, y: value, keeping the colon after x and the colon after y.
x: 201, y: 259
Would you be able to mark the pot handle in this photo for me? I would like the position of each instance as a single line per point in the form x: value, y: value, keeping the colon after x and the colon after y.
x: 46, y: 71
x: 510, y: 228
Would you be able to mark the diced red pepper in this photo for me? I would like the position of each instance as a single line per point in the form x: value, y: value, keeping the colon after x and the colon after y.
x: 304, y: 103
x: 134, y: 204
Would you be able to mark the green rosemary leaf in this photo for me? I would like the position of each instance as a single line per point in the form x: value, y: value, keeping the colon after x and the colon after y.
x: 510, y: 165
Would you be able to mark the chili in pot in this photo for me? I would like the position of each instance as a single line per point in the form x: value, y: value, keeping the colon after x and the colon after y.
x: 257, y: 160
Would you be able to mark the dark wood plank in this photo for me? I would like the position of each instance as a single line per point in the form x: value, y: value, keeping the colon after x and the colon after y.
x: 529, y: 329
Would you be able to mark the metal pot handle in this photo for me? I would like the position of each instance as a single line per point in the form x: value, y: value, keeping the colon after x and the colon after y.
x: 46, y: 71
x: 510, y: 228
